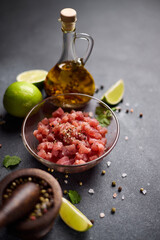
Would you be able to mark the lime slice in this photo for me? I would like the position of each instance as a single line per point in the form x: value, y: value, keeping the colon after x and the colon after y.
x: 73, y: 217
x: 36, y: 77
x: 115, y: 94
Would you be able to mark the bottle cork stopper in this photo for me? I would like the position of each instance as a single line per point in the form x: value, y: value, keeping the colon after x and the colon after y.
x: 68, y: 19
x: 68, y: 15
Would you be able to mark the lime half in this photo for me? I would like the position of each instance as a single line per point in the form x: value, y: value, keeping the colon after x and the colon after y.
x: 73, y: 217
x: 114, y: 94
x: 36, y: 77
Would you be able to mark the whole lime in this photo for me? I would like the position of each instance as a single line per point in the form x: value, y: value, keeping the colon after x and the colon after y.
x: 20, y: 97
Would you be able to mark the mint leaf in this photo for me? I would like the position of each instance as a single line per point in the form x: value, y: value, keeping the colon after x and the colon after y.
x: 74, y: 196
x: 103, y: 116
x: 11, y: 161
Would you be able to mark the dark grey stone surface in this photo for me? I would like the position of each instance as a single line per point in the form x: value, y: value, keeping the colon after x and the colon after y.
x: 127, y: 46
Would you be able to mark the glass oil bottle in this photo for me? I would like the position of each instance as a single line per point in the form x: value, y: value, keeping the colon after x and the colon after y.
x: 69, y: 74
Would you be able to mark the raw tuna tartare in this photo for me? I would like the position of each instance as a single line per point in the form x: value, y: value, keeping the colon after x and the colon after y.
x: 70, y: 138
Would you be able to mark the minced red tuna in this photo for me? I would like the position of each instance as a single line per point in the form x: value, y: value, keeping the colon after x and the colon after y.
x: 70, y: 138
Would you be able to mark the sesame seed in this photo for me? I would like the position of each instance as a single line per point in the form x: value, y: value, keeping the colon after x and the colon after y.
x: 66, y: 181
x: 103, y: 172
x: 66, y: 176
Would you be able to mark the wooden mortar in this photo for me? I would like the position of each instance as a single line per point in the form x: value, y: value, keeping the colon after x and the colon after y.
x: 28, y: 229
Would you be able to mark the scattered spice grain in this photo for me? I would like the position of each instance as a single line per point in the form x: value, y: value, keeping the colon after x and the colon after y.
x: 144, y: 192
x: 118, y: 109
x: 141, y: 190
x: 126, y: 138
x: 2, y: 122
x: 119, y: 189
x: 113, y: 210
x: 108, y: 164
x: 114, y: 195
x: 97, y: 90
x: 124, y: 175
x: 92, y: 221
x: 102, y: 215
x: 91, y: 191
x: 80, y: 183
x: 113, y: 184
x: 65, y: 192
x: 140, y: 115
x: 122, y: 197
x: 103, y: 172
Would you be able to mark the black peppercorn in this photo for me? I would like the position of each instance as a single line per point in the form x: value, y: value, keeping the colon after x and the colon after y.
x: 119, y: 189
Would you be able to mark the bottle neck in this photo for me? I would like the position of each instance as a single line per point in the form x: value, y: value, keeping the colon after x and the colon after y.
x: 68, y: 50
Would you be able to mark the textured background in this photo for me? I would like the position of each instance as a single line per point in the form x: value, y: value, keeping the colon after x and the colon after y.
x: 127, y: 46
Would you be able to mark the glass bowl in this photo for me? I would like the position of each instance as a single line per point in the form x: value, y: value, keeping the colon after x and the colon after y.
x: 68, y: 102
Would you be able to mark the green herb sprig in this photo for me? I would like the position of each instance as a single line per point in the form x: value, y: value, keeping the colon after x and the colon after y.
x: 103, y: 116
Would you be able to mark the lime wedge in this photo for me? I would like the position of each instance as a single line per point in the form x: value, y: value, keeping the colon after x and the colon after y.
x: 73, y: 217
x: 114, y: 94
x: 36, y: 77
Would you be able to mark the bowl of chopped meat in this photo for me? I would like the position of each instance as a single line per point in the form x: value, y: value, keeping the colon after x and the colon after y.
x: 70, y: 132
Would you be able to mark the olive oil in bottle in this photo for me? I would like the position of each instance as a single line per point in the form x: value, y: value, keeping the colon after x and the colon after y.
x: 69, y: 74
